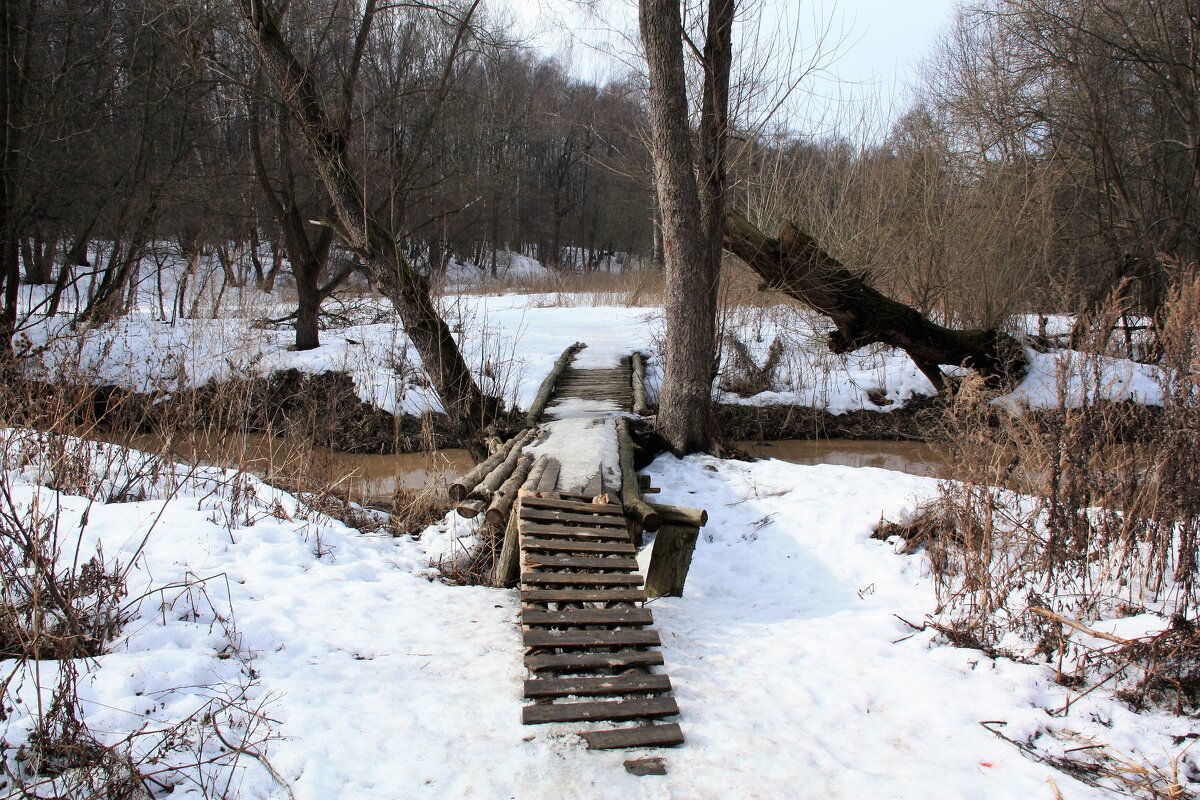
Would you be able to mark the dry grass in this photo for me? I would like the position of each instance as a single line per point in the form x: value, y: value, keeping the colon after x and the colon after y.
x: 1107, y: 524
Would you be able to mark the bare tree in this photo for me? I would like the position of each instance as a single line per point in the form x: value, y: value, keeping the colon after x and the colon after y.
x: 692, y: 208
x: 377, y: 247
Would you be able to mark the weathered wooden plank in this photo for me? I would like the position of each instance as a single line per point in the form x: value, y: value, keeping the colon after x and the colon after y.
x: 576, y: 506
x: 549, y: 478
x: 581, y: 562
x: 667, y: 735
x: 581, y: 546
x: 588, y: 616
x: 583, y: 596
x: 539, y: 688
x: 643, y: 707
x: 598, y: 520
x: 566, y: 532
x: 633, y: 637
x: 595, y: 484
x: 581, y: 579
x: 590, y: 662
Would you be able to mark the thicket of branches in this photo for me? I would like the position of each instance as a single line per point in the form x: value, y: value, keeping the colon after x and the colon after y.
x: 141, y: 122
x: 1050, y: 155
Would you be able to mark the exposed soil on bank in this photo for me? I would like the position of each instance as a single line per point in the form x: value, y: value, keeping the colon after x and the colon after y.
x: 322, y: 408
x: 917, y: 421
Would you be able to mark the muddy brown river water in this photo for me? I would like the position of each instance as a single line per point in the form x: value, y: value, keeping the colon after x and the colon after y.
x: 915, y: 458
x: 375, y: 478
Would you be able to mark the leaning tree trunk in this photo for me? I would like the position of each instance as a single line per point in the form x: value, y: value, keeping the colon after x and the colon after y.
x: 379, y: 251
x: 797, y: 266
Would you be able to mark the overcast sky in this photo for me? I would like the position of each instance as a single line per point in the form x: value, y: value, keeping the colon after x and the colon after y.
x: 872, y: 47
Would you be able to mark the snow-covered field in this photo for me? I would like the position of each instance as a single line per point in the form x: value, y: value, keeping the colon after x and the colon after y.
x: 511, y: 342
x: 370, y: 678
x: 344, y: 661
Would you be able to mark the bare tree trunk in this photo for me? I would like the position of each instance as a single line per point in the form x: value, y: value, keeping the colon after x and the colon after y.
x: 375, y: 246
x: 797, y: 266
x: 691, y: 214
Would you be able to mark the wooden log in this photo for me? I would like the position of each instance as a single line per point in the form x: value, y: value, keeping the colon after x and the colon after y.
x: 496, y: 478
x: 796, y: 265
x: 547, y: 387
x: 631, y: 495
x: 470, y: 509
x: 549, y: 478
x: 638, y: 364
x: 508, y: 565
x: 670, y: 560
x: 679, y: 515
x: 535, y: 475
x: 502, y: 500
x: 461, y: 488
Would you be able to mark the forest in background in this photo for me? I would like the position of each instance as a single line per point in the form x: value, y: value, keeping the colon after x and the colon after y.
x: 1049, y: 157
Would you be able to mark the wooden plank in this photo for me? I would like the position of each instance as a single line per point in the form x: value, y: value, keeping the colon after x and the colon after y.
x: 581, y: 562
x: 642, y: 707
x: 631, y: 637
x: 570, y: 546
x: 567, y: 532
x: 549, y: 478
x: 596, y: 485
x: 539, y: 688
x: 577, y: 506
x: 581, y: 579
x: 668, y: 735
x: 588, y: 616
x: 599, y: 520
x: 590, y: 662
x: 583, y: 596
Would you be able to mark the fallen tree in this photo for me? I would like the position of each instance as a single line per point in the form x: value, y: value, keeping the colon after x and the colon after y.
x: 797, y: 266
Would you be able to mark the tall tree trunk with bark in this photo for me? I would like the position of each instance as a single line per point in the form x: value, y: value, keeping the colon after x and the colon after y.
x: 691, y: 213
x: 377, y: 248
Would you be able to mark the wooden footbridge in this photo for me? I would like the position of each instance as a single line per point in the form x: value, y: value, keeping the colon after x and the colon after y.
x: 570, y: 505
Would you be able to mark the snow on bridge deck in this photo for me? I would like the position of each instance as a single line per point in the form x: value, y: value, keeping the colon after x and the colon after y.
x: 590, y: 645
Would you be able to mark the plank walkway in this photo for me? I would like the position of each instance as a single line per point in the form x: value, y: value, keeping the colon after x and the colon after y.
x: 590, y: 646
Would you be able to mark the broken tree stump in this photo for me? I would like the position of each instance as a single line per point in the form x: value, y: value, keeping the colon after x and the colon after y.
x: 670, y: 560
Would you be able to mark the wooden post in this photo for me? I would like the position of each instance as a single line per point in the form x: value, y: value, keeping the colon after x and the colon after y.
x: 631, y: 495
x: 670, y: 560
x: 508, y: 564
x: 547, y: 387
x: 640, y: 406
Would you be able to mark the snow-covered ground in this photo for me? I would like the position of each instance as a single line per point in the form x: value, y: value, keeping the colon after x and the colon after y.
x: 795, y: 671
x: 511, y: 342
